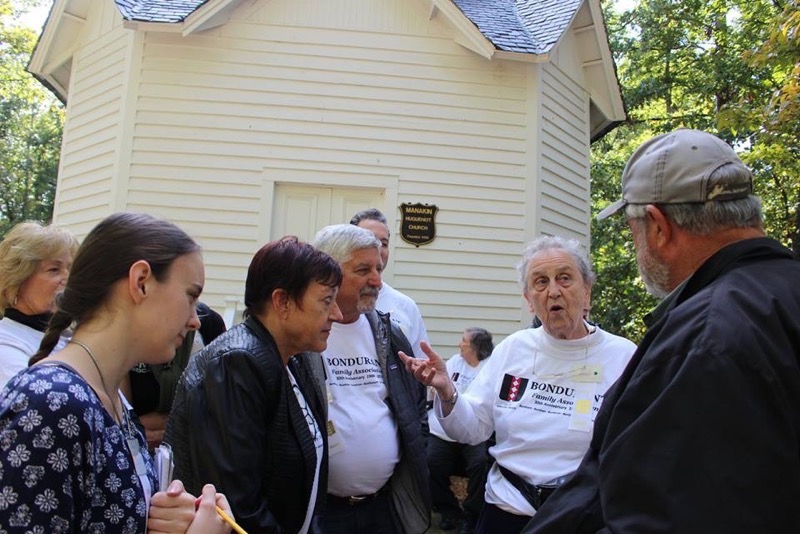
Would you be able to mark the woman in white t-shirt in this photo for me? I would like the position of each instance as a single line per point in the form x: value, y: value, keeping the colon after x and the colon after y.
x: 539, y: 392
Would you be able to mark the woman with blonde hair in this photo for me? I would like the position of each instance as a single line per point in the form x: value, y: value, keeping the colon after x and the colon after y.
x: 34, y: 264
x: 71, y: 457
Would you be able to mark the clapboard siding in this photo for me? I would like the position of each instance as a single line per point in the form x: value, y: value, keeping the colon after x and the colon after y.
x: 469, y: 304
x: 444, y: 258
x: 396, y: 102
x: 196, y: 201
x: 229, y: 128
x: 448, y: 283
x: 291, y: 89
x: 91, y: 131
x: 341, y: 110
x: 345, y: 138
x: 564, y: 185
x: 379, y: 15
x: 336, y: 151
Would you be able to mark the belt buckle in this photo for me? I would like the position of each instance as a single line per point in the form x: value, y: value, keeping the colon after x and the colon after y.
x: 356, y: 499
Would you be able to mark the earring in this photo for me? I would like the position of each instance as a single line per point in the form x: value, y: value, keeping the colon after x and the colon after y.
x: 16, y: 299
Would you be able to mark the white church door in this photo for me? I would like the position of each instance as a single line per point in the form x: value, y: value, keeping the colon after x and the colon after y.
x: 302, y: 210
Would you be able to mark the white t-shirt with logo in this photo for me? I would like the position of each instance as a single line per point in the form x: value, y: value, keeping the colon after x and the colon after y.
x: 462, y: 374
x: 363, y: 443
x: 540, y: 395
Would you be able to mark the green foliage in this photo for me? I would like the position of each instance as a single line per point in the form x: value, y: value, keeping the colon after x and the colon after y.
x: 773, y: 120
x: 730, y: 67
x: 618, y: 297
x: 31, y: 121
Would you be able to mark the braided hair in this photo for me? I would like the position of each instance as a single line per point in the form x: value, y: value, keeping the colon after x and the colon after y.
x: 104, y: 257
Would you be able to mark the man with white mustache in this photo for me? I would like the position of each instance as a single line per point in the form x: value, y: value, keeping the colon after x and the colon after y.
x: 378, y: 478
x: 401, y: 308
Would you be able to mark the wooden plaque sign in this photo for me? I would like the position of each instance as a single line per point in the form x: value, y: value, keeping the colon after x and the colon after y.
x: 418, y: 224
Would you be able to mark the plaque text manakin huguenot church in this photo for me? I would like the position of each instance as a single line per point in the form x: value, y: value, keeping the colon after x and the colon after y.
x: 418, y: 224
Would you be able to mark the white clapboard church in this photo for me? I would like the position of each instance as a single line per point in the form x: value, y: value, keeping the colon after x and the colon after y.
x: 245, y: 120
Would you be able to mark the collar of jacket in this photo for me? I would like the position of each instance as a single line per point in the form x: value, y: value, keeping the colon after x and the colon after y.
x: 728, y: 258
x: 381, y: 329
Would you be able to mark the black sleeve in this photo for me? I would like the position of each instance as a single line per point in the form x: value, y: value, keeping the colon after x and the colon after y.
x: 399, y: 342
x: 719, y: 436
x: 226, y: 421
x: 703, y: 442
x: 211, y: 323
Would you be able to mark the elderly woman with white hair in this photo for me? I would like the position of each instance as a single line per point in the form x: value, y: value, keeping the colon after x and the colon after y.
x: 34, y: 263
x: 540, y: 390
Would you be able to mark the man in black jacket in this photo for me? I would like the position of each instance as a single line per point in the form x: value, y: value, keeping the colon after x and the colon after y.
x: 378, y: 478
x: 701, y: 433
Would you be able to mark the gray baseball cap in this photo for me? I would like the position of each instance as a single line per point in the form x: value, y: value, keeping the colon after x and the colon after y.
x: 674, y: 168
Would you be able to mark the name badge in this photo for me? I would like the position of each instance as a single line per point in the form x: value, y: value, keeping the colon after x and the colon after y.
x: 581, y: 417
x: 136, y: 454
x: 592, y: 374
x: 335, y: 442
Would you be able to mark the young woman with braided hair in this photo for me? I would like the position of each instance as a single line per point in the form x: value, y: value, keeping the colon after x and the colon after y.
x: 71, y: 459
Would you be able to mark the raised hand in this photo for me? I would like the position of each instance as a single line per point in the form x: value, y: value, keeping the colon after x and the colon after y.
x: 430, y: 372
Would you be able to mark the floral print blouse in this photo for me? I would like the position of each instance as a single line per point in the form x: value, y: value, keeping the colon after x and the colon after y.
x: 65, y: 465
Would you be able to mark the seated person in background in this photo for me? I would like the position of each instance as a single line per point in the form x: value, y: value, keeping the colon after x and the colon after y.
x: 151, y: 388
x: 540, y: 390
x: 447, y: 457
x: 34, y: 264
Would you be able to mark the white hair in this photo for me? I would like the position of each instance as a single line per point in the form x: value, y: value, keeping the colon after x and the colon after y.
x: 340, y: 241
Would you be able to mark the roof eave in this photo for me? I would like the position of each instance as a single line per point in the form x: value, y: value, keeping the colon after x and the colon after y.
x: 468, y: 35
x: 47, y: 58
x: 615, y: 110
x: 601, y: 132
x: 155, y: 27
x: 528, y: 57
x: 211, y: 14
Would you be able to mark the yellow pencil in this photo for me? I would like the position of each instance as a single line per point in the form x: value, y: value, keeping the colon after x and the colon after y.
x: 228, y: 519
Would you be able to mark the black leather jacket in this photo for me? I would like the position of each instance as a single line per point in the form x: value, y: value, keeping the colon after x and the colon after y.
x: 236, y: 423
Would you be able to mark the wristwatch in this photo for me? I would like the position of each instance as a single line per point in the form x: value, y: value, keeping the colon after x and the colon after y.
x: 452, y: 400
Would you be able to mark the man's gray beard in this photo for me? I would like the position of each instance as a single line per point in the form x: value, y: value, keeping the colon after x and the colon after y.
x: 654, y: 274
x: 366, y: 303
x: 653, y: 289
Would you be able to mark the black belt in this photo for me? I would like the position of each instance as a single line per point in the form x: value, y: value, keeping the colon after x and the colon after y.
x: 356, y: 500
x: 534, y: 494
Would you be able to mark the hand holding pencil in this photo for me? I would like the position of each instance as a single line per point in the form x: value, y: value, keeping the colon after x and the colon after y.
x: 204, y: 519
x: 176, y: 511
x: 213, y: 514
